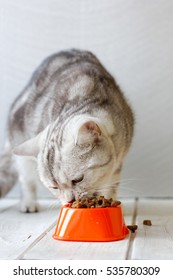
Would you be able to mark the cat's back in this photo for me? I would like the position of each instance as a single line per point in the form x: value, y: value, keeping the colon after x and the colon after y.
x: 67, y: 83
x: 51, y: 89
x: 55, y: 70
x: 58, y: 64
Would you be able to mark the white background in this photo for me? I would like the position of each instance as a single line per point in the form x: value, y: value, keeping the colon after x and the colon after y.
x: 133, y: 39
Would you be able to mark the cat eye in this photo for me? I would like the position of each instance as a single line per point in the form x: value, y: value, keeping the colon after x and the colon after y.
x: 78, y: 180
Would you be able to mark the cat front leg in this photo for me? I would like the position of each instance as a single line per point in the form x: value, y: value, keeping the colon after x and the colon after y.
x: 27, y: 168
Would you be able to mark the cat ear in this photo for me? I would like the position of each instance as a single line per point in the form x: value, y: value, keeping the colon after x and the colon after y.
x: 32, y: 146
x: 88, y: 133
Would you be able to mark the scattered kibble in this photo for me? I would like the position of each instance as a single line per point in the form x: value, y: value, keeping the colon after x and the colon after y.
x: 132, y: 228
x: 147, y: 222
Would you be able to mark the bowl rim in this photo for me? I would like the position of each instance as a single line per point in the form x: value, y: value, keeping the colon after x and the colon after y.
x: 91, y: 208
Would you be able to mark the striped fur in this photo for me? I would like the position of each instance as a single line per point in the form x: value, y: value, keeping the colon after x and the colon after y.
x: 73, y: 121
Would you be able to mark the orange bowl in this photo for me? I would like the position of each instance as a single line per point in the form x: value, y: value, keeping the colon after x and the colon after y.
x: 90, y: 224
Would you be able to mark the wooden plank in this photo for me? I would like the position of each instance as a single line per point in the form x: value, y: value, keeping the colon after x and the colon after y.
x: 48, y: 248
x: 19, y: 231
x: 156, y: 241
x: 7, y: 203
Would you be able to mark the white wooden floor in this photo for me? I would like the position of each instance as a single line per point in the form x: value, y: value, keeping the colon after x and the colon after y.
x: 29, y: 236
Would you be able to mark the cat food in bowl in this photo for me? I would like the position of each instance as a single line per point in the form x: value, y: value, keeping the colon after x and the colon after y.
x: 79, y: 222
x: 95, y: 202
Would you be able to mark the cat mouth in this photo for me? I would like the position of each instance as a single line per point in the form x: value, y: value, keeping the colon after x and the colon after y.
x: 83, y: 196
x: 71, y: 201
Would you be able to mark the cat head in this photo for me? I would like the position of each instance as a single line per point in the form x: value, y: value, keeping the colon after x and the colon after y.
x: 75, y: 159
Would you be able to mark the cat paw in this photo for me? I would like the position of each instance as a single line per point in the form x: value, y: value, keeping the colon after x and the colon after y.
x: 29, y: 207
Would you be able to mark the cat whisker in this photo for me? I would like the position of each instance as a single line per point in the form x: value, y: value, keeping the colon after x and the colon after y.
x: 122, y: 184
x: 53, y: 205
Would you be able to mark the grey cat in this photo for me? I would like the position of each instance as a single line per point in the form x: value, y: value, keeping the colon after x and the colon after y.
x: 70, y: 128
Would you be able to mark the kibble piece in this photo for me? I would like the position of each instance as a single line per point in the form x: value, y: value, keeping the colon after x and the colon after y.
x: 115, y: 202
x: 147, y: 222
x: 132, y: 228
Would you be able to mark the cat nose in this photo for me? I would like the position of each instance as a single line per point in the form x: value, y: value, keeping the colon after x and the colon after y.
x: 69, y: 196
x: 65, y: 185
